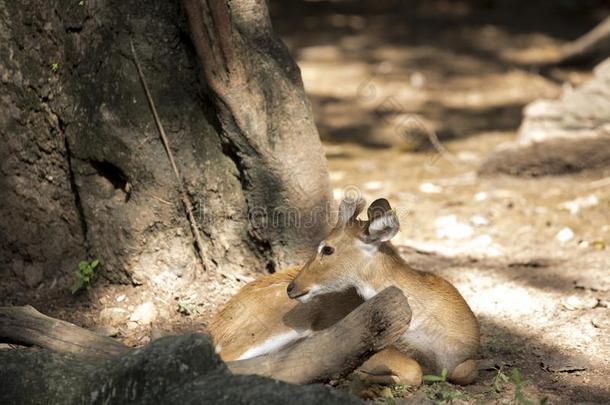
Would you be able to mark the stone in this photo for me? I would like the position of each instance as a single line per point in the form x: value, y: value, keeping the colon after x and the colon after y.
x: 113, y: 316
x: 564, y: 235
x: 574, y: 303
x: 174, y: 369
x: 566, y: 135
x: 106, y: 330
x: 145, y: 314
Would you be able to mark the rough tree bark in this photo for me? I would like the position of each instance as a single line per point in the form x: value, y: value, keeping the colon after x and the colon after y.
x: 84, y: 174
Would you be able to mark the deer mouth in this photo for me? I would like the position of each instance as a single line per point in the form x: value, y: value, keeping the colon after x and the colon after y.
x: 296, y: 296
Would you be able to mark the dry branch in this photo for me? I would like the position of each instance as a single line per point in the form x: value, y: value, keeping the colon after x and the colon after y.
x: 371, y: 327
x: 25, y: 325
x: 337, y: 350
x: 594, y: 43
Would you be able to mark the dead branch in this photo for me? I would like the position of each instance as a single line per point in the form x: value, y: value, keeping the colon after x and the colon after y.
x: 26, y: 326
x: 337, y: 350
x: 595, y: 43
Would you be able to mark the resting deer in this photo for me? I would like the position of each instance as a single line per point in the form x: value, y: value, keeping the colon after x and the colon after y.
x: 354, y: 262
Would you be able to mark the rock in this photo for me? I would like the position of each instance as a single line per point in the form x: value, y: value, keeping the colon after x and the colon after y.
x: 373, y: 185
x: 33, y: 275
x: 564, y: 235
x: 601, y: 318
x: 336, y: 175
x: 481, y: 196
x: 573, y: 302
x: 450, y: 228
x: 560, y: 136
x: 42, y: 377
x: 430, y: 188
x: 113, y: 317
x: 478, y: 220
x: 386, y: 392
x: 174, y: 369
x: 106, y: 330
x: 186, y: 370
x: 576, y: 205
x: 144, y: 314
x: 562, y: 365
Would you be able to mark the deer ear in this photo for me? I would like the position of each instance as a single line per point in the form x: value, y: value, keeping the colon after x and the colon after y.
x: 382, y: 227
x: 349, y: 210
x: 378, y: 208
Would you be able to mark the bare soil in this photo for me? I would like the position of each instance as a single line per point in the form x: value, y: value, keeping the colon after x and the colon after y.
x: 530, y: 255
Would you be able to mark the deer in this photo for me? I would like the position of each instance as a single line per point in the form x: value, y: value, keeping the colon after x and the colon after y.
x: 352, y: 264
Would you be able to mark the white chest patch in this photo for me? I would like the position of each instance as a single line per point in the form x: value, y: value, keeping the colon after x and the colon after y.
x: 366, y: 291
x: 273, y: 343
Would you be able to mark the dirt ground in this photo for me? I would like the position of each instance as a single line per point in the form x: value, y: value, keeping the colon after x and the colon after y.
x: 530, y: 255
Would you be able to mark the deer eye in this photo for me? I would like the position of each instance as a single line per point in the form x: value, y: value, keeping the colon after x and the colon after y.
x: 327, y: 250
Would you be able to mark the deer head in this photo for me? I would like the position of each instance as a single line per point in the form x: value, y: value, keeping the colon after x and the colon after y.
x: 346, y: 253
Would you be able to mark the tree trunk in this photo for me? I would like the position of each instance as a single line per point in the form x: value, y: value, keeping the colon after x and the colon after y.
x: 85, y: 174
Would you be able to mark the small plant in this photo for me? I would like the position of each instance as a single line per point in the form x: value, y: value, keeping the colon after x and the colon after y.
x: 437, y: 378
x: 520, y: 398
x: 187, y: 306
x: 446, y: 394
x: 500, y: 380
x: 401, y: 390
x: 443, y: 391
x: 84, y: 274
x: 54, y: 67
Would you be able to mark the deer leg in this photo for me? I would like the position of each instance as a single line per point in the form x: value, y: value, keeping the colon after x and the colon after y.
x: 391, y: 366
x: 464, y: 373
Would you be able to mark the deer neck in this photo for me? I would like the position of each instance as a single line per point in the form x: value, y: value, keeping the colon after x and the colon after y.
x: 385, y: 268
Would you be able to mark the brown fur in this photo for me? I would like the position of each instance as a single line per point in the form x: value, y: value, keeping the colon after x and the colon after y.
x: 262, y: 309
x: 443, y: 333
x: 390, y: 366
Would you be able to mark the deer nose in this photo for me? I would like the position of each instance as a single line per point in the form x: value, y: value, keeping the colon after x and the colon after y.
x: 290, y: 288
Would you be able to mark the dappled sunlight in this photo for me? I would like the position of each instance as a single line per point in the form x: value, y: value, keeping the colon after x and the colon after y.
x: 536, y: 314
x: 424, y: 109
x: 367, y: 74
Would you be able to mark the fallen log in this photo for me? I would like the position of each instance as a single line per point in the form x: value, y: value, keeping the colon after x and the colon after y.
x: 341, y: 348
x: 26, y: 326
x: 337, y: 350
